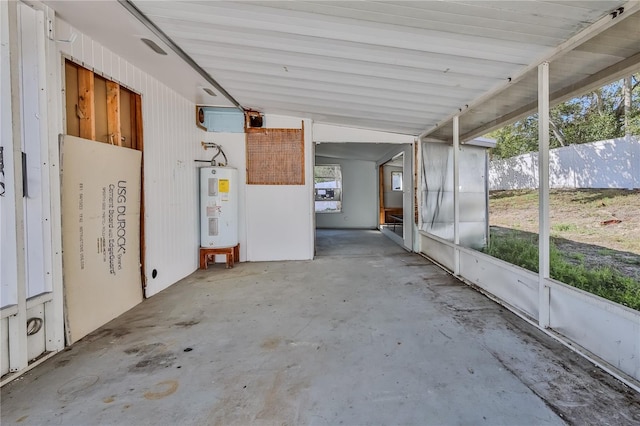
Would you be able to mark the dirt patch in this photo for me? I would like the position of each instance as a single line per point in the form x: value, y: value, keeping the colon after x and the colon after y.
x: 598, y: 227
x: 568, y: 383
x: 187, y: 324
x: 154, y: 356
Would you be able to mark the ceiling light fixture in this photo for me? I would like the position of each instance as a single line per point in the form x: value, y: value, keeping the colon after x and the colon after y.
x: 153, y: 46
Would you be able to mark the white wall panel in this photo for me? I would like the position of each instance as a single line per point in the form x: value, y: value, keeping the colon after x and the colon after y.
x: 610, y: 331
x: 510, y: 283
x: 34, y: 145
x: 279, y: 223
x: 171, y: 144
x: 280, y: 218
x: 171, y: 197
x: 359, y: 195
x: 8, y: 260
x: 4, y: 346
x: 437, y: 250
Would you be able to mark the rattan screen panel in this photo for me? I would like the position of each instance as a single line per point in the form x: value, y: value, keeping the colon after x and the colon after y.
x: 275, y: 157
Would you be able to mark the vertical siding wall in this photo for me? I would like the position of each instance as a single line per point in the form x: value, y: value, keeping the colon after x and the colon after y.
x: 171, y: 144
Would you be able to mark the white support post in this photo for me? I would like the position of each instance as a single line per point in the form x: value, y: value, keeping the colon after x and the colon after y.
x: 54, y: 312
x: 456, y: 194
x: 543, y: 195
x: 419, y: 177
x: 18, y: 322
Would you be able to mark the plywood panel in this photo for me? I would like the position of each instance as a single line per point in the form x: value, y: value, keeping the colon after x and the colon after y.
x: 100, y: 233
x: 275, y: 157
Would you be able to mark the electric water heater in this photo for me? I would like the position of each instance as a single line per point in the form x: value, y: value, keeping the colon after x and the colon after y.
x: 218, y: 207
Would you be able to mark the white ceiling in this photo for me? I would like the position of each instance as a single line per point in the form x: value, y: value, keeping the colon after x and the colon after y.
x: 401, y: 67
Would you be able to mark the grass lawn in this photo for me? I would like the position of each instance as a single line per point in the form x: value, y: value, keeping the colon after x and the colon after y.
x: 595, y: 238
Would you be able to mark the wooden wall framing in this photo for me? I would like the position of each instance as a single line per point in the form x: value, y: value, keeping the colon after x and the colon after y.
x: 100, y: 109
x: 275, y: 156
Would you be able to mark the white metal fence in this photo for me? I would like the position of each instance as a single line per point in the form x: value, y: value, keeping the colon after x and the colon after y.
x: 613, y: 163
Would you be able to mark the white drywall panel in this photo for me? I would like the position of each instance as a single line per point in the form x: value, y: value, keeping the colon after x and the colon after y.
x: 278, y: 222
x: 359, y: 196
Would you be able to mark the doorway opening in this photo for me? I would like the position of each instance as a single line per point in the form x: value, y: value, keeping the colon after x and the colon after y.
x: 365, y: 185
x: 391, y: 188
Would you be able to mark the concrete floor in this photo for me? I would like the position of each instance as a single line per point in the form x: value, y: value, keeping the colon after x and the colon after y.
x: 366, y: 334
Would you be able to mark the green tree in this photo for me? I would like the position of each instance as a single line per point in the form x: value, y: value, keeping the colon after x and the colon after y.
x: 608, y: 112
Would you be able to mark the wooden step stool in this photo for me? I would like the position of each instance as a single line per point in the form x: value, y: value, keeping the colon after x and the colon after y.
x: 208, y: 254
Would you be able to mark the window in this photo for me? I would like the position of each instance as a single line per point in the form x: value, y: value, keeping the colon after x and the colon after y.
x: 328, y: 188
x: 396, y: 181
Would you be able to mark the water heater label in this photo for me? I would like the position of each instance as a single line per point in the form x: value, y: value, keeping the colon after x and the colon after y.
x: 223, y: 185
